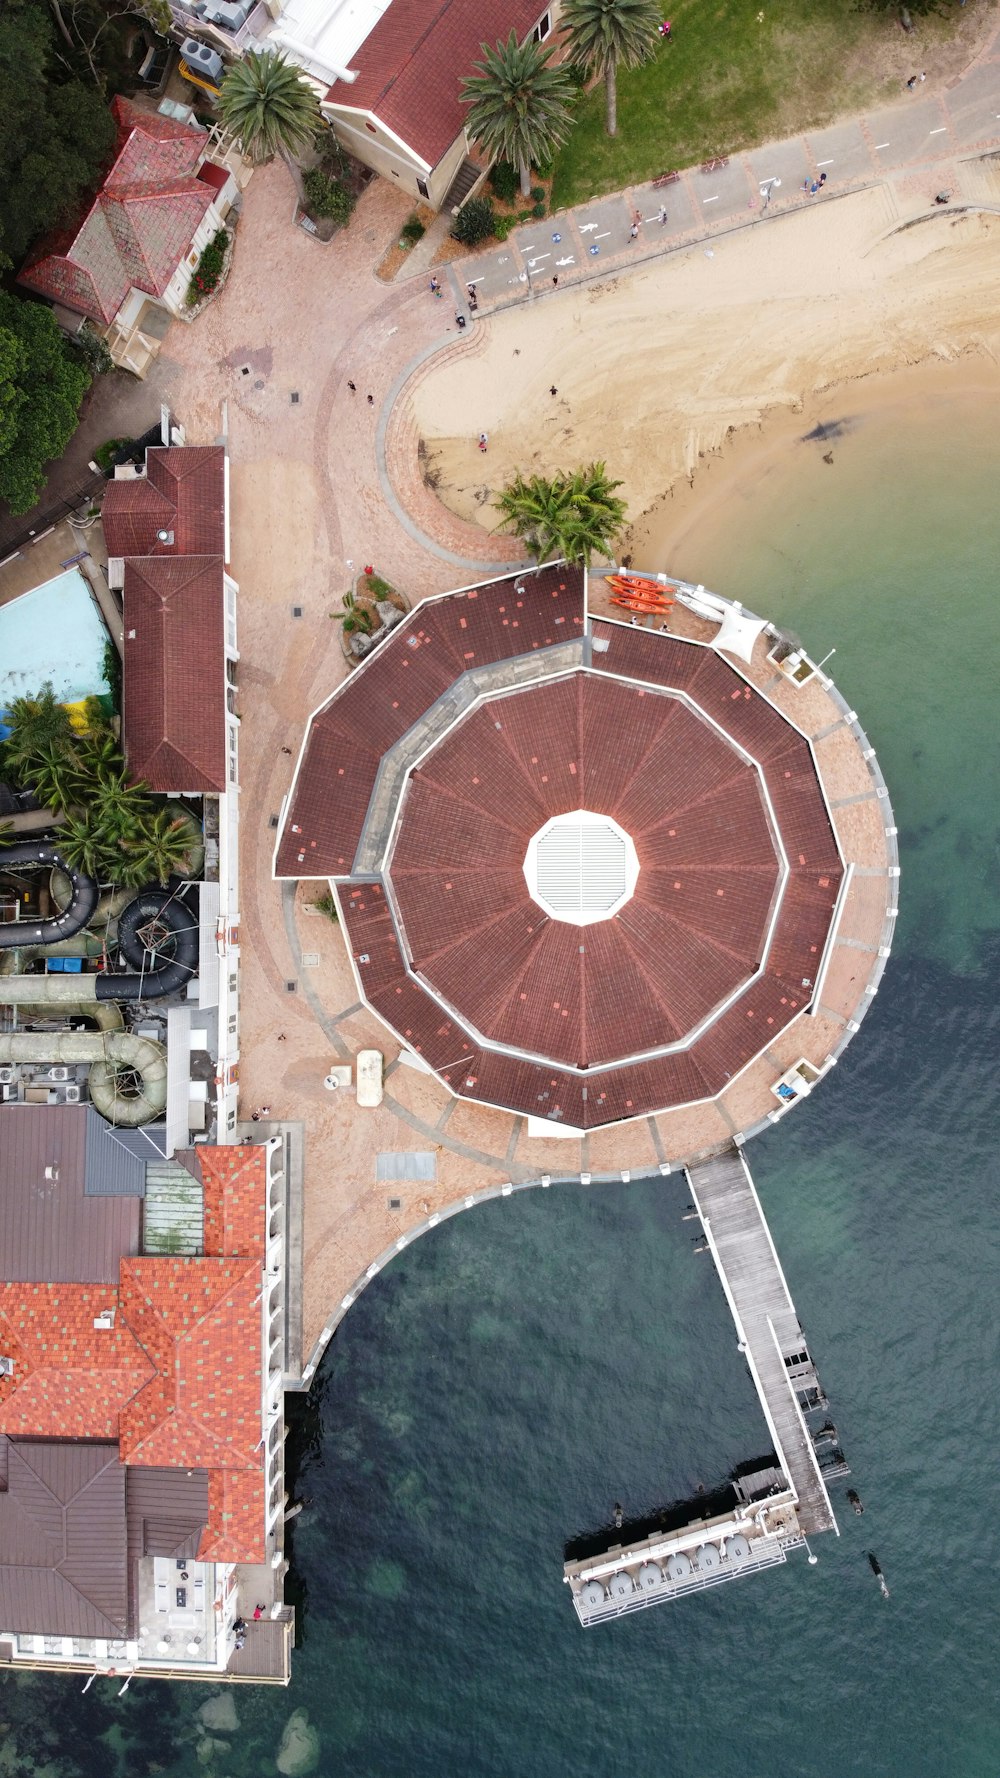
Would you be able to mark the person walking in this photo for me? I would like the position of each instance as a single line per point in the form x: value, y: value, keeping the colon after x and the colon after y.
x: 353, y: 387
x: 633, y: 233
x: 662, y: 217
x: 484, y: 439
x: 435, y: 287
x: 370, y: 400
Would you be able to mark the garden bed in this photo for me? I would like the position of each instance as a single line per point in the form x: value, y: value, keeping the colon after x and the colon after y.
x: 366, y: 618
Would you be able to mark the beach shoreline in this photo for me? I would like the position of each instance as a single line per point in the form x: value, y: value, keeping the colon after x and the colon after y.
x: 680, y: 375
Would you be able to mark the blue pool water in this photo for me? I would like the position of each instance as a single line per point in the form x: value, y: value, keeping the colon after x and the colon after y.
x: 54, y: 632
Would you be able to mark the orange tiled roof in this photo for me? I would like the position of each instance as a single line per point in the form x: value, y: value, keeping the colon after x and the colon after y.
x: 235, y: 1529
x: 70, y: 1379
x: 198, y: 1321
x: 234, y: 1181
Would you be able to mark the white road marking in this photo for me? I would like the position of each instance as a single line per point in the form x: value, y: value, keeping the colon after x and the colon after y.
x: 538, y: 260
x: 879, y: 145
x: 585, y: 227
x: 824, y: 163
x: 569, y: 260
x: 604, y: 236
x: 711, y: 200
x: 939, y: 132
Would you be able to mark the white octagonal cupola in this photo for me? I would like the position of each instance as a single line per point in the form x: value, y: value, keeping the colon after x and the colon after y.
x: 581, y: 867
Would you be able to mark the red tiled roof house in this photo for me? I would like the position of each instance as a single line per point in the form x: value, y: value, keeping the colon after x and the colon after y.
x: 398, y: 106
x: 126, y: 264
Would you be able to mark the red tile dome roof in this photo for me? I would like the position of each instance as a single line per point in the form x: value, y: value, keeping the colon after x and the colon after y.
x: 486, y: 714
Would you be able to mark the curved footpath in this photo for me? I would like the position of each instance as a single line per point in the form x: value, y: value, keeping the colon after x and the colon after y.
x: 330, y: 481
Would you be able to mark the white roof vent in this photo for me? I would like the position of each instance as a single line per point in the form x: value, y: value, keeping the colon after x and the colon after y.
x: 105, y: 1321
x: 6, y: 1366
x: 164, y: 537
x: 581, y: 867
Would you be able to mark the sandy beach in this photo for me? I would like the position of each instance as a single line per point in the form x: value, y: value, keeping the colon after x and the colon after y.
x: 658, y: 370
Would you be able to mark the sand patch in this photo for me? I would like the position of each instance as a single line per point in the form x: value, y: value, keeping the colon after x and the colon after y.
x: 655, y: 369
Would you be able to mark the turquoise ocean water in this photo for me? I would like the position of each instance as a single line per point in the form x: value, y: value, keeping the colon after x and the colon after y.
x: 510, y: 1377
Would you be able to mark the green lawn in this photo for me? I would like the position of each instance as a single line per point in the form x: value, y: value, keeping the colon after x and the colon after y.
x: 737, y: 73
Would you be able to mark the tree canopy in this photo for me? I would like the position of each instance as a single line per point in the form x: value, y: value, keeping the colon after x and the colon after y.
x: 57, y: 131
x: 605, y: 35
x: 42, y: 383
x: 268, y: 107
x: 573, y: 516
x: 519, y: 104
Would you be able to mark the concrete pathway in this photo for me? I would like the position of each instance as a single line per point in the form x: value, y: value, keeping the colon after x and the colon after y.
x: 915, y: 149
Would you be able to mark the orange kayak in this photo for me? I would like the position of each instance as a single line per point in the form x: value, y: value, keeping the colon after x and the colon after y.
x: 635, y: 602
x: 639, y: 583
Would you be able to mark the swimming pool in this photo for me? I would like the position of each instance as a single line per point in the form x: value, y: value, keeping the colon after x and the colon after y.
x: 53, y: 632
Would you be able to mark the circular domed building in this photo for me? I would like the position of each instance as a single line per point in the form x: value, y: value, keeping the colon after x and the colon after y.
x: 592, y: 869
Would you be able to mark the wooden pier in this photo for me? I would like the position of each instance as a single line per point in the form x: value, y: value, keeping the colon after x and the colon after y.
x: 767, y: 1325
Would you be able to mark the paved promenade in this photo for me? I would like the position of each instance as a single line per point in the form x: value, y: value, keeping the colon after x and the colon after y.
x: 918, y: 147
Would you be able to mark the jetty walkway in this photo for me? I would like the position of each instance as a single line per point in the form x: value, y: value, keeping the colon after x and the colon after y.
x: 768, y: 1327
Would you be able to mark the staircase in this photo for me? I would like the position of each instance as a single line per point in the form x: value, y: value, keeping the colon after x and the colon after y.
x: 468, y: 175
x: 173, y: 1210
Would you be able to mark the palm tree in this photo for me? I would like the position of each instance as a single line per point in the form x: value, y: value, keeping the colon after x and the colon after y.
x: 81, y: 848
x: 519, y: 105
x: 270, y: 109
x: 55, y: 775
x: 160, y: 844
x: 573, y: 516
x: 34, y: 722
x: 606, y: 35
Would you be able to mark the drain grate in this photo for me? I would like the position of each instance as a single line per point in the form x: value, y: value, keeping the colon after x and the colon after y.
x: 291, y: 987
x: 295, y: 398
x: 272, y: 821
x: 244, y: 370
x: 395, y: 1203
x: 296, y: 610
x: 258, y: 383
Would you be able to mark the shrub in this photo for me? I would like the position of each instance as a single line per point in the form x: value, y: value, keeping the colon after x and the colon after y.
x: 326, y: 197
x: 209, y: 268
x: 578, y: 75
x: 378, y: 588
x: 538, y: 211
x: 475, y: 222
x: 504, y: 181
x: 538, y: 194
x: 503, y: 225
x: 106, y: 453
x: 412, y: 230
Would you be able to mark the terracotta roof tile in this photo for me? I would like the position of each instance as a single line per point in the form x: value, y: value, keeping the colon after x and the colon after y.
x: 235, y: 1529
x: 198, y: 1322
x: 139, y: 226
x: 183, y: 491
x: 174, y: 705
x: 70, y: 1379
x: 234, y: 1182
x: 412, y: 66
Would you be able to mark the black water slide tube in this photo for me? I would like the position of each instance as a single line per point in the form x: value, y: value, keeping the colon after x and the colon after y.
x: 82, y: 903
x: 159, y: 972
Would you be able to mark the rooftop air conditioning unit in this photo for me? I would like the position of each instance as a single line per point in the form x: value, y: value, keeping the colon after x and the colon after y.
x: 6, y: 1366
x: 6, y: 1076
x: 73, y: 1093
x: 201, y: 59
x: 58, y: 1073
x: 105, y: 1321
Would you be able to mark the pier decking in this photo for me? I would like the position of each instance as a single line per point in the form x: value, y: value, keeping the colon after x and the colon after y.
x: 777, y: 1509
x: 767, y: 1325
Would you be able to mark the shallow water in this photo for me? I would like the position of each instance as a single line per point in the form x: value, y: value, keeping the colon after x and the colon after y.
x: 496, y: 1389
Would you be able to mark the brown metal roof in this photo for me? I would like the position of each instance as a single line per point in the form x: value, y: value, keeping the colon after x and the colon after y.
x: 62, y: 1539
x: 50, y: 1231
x: 174, y: 710
x: 166, y: 1511
x: 183, y: 491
